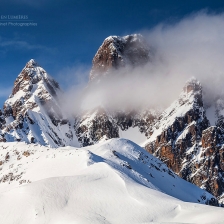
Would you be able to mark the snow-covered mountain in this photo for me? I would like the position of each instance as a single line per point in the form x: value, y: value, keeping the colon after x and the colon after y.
x: 112, y: 182
x: 33, y: 113
x: 181, y: 136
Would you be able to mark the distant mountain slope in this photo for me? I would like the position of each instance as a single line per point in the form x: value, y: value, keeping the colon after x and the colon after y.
x: 113, y: 182
x: 33, y: 114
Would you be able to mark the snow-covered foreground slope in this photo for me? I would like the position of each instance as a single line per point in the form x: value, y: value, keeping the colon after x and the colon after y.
x: 113, y: 182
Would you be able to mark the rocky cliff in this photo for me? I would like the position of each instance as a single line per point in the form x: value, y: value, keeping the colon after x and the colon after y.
x: 101, y: 124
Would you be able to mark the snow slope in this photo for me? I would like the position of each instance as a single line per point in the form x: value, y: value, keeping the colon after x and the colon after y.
x: 112, y: 182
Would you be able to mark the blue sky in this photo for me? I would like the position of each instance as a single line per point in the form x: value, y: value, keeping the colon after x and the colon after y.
x: 69, y: 32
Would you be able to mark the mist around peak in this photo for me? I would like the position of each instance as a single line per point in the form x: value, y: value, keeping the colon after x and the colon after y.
x: 191, y: 47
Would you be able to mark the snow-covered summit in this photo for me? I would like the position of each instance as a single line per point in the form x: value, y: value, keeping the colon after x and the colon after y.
x: 32, y: 74
x: 189, y: 107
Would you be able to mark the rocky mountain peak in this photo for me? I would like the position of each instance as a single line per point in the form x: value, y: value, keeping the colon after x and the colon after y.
x: 33, y: 112
x: 183, y: 139
x: 117, y: 52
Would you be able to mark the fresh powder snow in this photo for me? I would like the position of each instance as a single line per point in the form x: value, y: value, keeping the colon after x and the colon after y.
x: 115, y: 181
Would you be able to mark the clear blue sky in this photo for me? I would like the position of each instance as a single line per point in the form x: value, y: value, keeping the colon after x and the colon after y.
x: 69, y: 32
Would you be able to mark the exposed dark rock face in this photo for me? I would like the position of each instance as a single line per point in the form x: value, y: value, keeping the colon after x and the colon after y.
x: 144, y: 120
x: 117, y: 52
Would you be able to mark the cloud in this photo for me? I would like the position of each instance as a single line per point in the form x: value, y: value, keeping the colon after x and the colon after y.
x: 20, y: 44
x: 33, y: 4
x: 73, y: 80
x: 73, y: 76
x: 193, y: 46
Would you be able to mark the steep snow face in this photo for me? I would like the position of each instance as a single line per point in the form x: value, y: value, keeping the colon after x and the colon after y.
x: 32, y: 112
x: 117, y: 52
x: 112, y: 182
